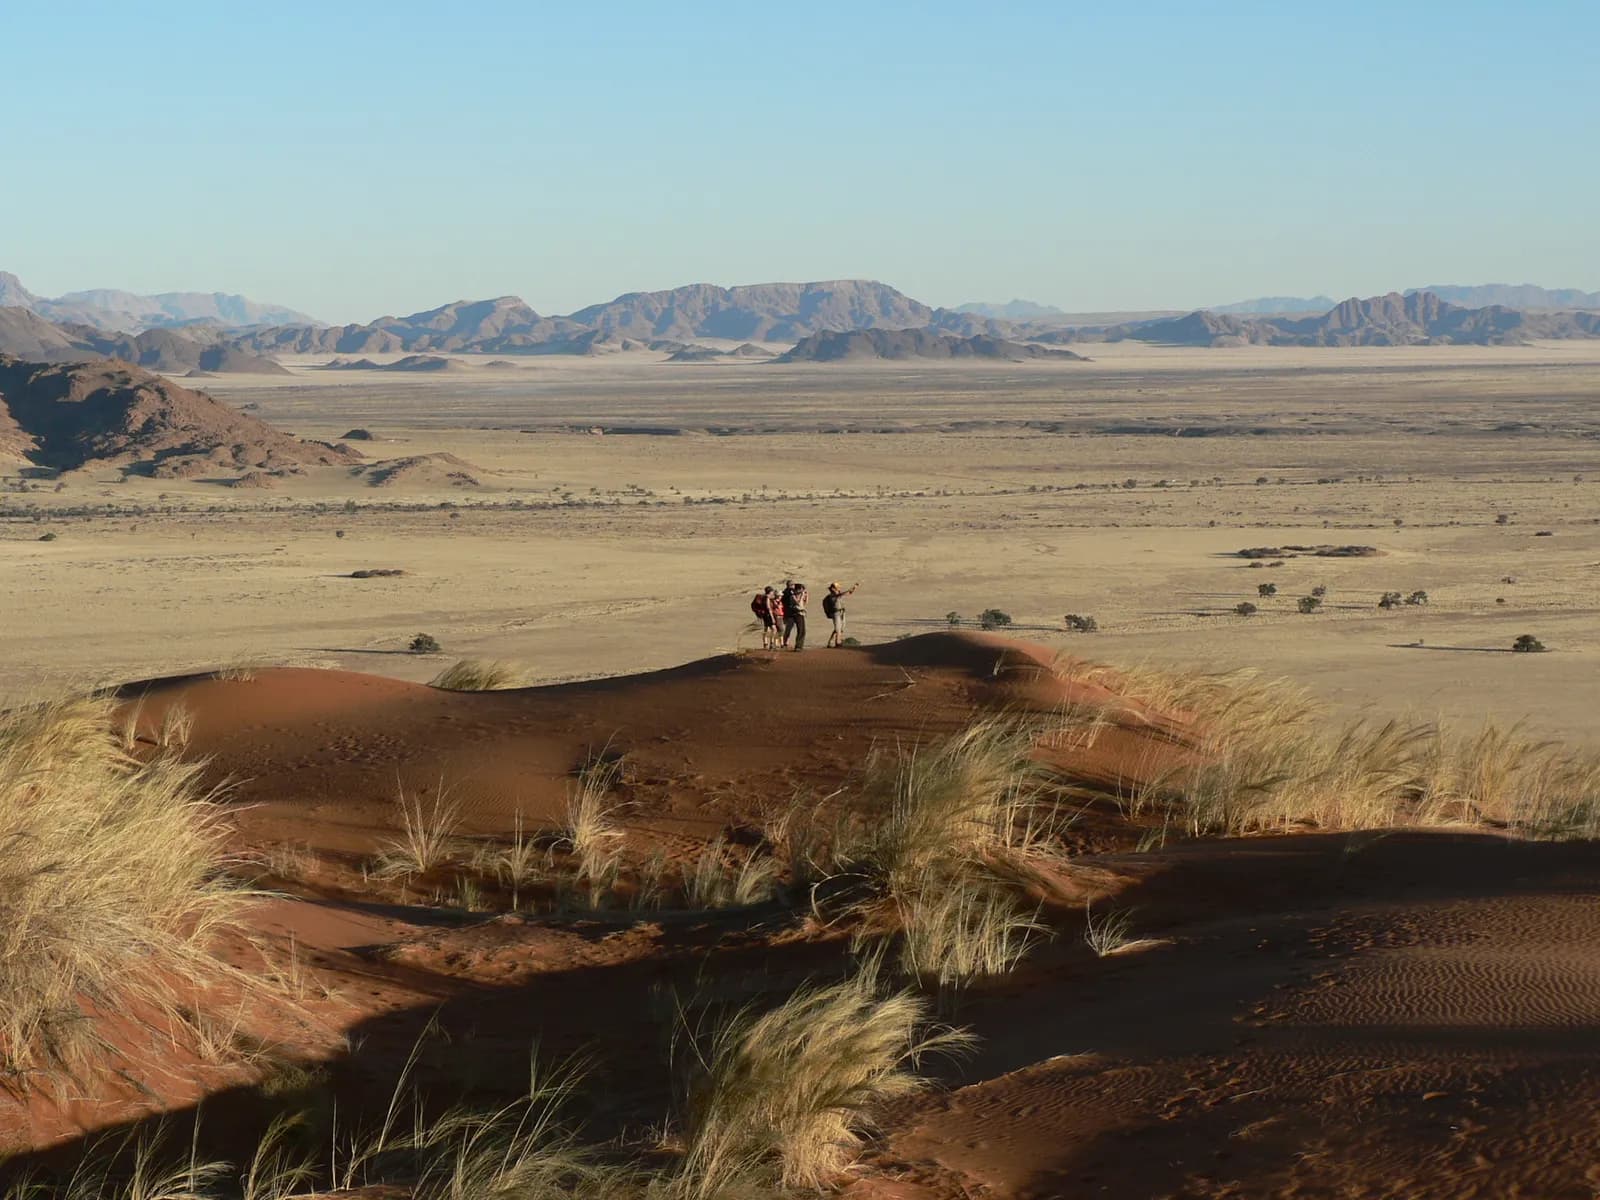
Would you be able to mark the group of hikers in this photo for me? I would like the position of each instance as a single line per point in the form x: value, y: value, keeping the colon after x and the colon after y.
x: 783, y: 614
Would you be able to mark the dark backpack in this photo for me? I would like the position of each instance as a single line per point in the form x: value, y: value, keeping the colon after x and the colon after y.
x: 830, y: 604
x: 759, y: 605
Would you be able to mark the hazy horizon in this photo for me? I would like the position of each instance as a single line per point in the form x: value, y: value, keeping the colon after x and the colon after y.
x: 370, y: 160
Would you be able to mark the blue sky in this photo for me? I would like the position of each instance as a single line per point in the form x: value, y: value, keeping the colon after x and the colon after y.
x: 354, y: 159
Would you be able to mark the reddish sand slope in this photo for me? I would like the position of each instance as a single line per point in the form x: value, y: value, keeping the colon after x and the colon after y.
x: 1417, y: 1015
x: 317, y: 755
x: 1331, y: 1016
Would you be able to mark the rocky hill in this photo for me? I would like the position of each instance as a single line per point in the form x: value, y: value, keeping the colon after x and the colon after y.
x: 70, y: 415
x: 780, y: 312
x: 859, y: 345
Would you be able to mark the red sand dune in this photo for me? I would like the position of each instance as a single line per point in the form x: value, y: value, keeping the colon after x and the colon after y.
x: 1352, y: 1016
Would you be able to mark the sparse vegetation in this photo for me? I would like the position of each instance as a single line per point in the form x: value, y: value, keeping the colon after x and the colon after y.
x: 425, y: 643
x: 1417, y: 598
x: 1079, y: 623
x: 1526, y: 643
x: 1107, y: 934
x: 480, y: 675
x: 953, y: 618
x: 1309, y: 604
x: 1389, y: 600
x: 1266, y: 589
x: 1245, y: 609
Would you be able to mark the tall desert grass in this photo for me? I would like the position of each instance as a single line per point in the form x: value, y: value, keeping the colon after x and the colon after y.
x: 523, y: 1151
x: 427, y: 831
x: 960, y: 925
x: 958, y: 800
x: 1240, y: 702
x: 591, y: 830
x: 786, y: 1096
x: 480, y: 675
x: 721, y: 878
x: 109, y: 891
x: 930, y: 825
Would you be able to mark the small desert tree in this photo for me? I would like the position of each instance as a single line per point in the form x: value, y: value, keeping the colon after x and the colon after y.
x: 953, y: 618
x: 1389, y: 600
x: 1079, y: 623
x: 425, y: 643
x: 1526, y: 643
x: 1245, y: 609
x: 1266, y: 589
x: 1309, y: 604
x: 994, y: 618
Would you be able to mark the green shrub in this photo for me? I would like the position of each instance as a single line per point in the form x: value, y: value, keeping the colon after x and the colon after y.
x: 1245, y: 609
x: 1266, y: 589
x: 425, y: 643
x: 1309, y: 604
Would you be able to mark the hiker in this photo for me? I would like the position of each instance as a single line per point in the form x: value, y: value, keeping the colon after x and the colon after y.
x: 763, y: 606
x: 833, y: 609
x: 794, y: 614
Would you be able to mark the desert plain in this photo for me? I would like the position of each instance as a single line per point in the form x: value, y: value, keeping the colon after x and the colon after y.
x: 1218, y: 949
x: 615, y: 514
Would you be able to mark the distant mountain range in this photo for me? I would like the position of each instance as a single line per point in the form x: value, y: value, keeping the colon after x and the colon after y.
x: 125, y: 312
x: 671, y: 322
x: 1273, y: 305
x: 203, y: 348
x: 1416, y: 318
x: 1012, y: 310
x: 1512, y: 295
x: 1482, y: 295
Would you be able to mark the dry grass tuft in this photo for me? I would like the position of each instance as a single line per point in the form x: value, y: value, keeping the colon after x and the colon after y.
x: 427, y: 832
x: 177, y: 729
x: 931, y: 825
x: 962, y: 925
x: 960, y: 801
x: 480, y: 675
x: 109, y: 890
x: 722, y: 878
x: 591, y: 831
x: 786, y: 1095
